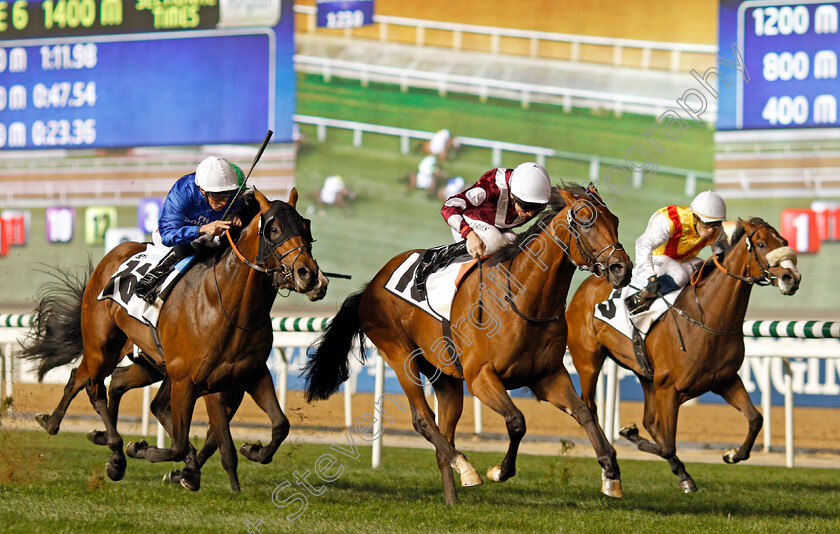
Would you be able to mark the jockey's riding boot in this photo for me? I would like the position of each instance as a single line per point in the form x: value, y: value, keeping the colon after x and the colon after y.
x: 435, y: 258
x: 147, y: 286
x: 642, y: 300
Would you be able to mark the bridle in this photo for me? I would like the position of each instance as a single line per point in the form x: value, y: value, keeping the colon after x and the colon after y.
x: 293, y: 225
x: 767, y: 278
x: 598, y: 268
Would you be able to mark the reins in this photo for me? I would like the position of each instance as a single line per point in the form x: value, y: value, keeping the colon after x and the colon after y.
x: 765, y: 279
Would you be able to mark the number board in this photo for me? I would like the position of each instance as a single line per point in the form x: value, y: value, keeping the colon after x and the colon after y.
x: 790, y: 52
x: 336, y: 14
x: 18, y: 223
x: 123, y: 73
x: 61, y: 221
x: 99, y: 220
x: 115, y: 236
x: 799, y: 227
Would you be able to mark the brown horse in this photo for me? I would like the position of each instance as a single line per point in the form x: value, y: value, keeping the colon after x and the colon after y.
x: 696, y: 349
x: 510, y: 333
x: 214, y: 329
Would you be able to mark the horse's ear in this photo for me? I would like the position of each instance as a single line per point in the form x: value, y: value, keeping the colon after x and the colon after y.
x: 293, y: 196
x: 264, y: 202
x: 595, y: 194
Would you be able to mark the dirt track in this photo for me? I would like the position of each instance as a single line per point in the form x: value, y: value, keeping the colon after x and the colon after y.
x: 718, y: 425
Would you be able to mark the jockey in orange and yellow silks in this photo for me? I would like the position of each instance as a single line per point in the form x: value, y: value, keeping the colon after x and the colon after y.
x: 666, y: 253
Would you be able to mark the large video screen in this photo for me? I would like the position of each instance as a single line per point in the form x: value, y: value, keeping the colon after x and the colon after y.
x: 123, y: 73
x: 790, y: 53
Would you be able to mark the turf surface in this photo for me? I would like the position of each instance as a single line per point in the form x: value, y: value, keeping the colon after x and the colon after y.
x: 57, y: 484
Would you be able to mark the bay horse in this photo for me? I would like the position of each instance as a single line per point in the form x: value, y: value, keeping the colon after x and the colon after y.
x: 697, y: 349
x: 511, y: 333
x: 214, y: 329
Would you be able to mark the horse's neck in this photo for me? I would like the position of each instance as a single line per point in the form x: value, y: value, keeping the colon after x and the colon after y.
x: 246, y: 291
x: 549, y: 273
x: 724, y: 298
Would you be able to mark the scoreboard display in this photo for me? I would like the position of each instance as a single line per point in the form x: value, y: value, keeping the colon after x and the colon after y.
x: 789, y: 50
x: 123, y: 73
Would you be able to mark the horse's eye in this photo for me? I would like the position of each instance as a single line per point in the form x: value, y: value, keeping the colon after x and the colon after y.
x: 761, y: 245
x: 275, y: 229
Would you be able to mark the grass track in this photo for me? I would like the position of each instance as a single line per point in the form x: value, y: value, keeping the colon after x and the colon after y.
x: 55, y: 484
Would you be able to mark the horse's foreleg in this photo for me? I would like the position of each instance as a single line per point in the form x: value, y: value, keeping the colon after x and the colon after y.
x: 559, y: 391
x: 220, y: 427
x: 488, y: 387
x: 736, y: 395
x: 231, y: 401
x: 262, y: 391
x: 116, y: 464
x: 182, y: 400
x: 123, y: 379
x: 450, y: 394
x: 78, y: 380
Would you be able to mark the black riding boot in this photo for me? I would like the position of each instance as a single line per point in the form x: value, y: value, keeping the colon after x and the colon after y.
x: 435, y: 259
x: 147, y: 286
x: 642, y: 300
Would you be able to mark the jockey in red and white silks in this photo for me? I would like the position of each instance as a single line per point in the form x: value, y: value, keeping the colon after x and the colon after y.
x: 500, y: 200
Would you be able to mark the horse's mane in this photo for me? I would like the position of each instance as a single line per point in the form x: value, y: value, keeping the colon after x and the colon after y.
x: 248, y: 207
x: 555, y: 204
x: 726, y: 245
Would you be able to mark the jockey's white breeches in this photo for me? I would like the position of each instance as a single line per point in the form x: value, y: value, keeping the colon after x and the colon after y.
x: 493, y: 238
x: 680, y: 271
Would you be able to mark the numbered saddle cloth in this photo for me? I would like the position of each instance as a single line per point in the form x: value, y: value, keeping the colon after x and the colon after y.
x: 613, y: 311
x: 120, y: 288
x: 440, y: 286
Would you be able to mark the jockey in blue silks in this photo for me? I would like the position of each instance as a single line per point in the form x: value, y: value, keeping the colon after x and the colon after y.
x: 191, y: 216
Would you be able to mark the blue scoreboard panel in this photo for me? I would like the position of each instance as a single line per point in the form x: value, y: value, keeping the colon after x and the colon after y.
x: 123, y: 73
x: 790, y: 53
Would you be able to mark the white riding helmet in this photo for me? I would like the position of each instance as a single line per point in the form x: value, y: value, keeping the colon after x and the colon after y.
x: 530, y: 183
x: 215, y: 175
x: 709, y: 207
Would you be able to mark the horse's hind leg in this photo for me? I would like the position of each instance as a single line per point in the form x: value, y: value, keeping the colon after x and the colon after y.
x: 660, y: 420
x: 488, y: 387
x: 450, y: 394
x: 124, y: 379
x: 116, y: 464
x: 559, y: 391
x: 407, y: 368
x: 735, y: 394
x: 262, y: 391
x: 78, y: 380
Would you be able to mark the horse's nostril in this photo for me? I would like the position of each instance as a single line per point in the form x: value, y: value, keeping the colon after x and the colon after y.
x: 303, y: 272
x: 787, y: 279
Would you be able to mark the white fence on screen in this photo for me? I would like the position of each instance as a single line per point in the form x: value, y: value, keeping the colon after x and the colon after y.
x: 780, y: 354
x: 535, y: 39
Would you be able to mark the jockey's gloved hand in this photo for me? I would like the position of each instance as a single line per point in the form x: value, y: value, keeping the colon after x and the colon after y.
x: 654, y: 286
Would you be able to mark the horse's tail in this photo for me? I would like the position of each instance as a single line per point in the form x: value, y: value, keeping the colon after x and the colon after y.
x: 56, y: 335
x: 328, y: 366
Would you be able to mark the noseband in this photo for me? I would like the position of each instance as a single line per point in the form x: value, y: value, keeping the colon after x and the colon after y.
x: 599, y: 269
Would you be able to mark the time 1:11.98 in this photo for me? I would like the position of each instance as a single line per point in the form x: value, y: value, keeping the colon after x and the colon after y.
x: 77, y: 56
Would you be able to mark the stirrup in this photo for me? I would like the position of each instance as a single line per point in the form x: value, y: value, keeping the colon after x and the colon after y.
x: 638, y: 303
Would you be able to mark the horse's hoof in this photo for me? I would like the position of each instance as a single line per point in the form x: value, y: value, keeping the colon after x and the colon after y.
x: 191, y: 480
x: 114, y: 472
x: 172, y: 477
x: 98, y: 437
x: 44, y: 420
x: 136, y: 449
x: 628, y: 431
x: 251, y: 451
x: 688, y: 486
x: 729, y: 456
x: 470, y: 479
x: 611, y: 487
x: 495, y: 473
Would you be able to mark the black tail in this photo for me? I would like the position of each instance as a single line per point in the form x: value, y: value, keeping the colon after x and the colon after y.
x: 56, y: 335
x: 328, y: 366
